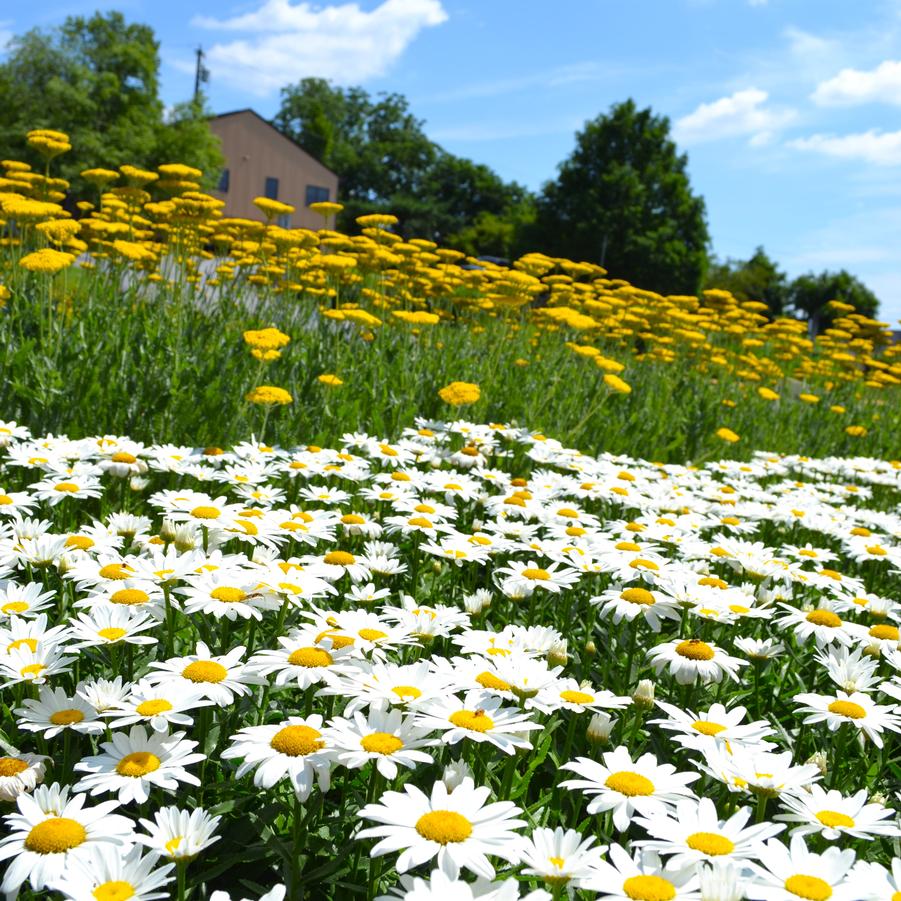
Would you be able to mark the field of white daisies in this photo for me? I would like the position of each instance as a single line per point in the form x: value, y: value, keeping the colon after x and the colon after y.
x: 460, y: 662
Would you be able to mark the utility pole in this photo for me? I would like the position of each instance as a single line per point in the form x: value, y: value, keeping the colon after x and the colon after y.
x: 201, y: 73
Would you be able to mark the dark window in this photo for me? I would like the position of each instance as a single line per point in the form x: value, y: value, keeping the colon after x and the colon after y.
x: 316, y: 194
x: 223, y: 181
x: 271, y: 188
x: 284, y: 221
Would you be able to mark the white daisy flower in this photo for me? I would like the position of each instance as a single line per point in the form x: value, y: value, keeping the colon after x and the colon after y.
x: 177, y: 834
x: 856, y: 709
x: 159, y: 705
x: 561, y: 857
x: 383, y: 737
x: 295, y: 749
x: 793, y: 873
x: 20, y: 772
x: 640, y: 879
x: 133, y: 764
x: 458, y: 827
x: 832, y: 815
x: 105, y: 875
x: 691, y: 660
x: 618, y: 784
x: 52, y: 831
x: 54, y: 711
x: 478, y: 717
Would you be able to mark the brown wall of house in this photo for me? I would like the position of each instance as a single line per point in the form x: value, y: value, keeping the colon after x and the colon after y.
x: 255, y: 151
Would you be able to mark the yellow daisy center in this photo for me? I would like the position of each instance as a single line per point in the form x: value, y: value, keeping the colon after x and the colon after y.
x: 153, y: 707
x: 117, y: 890
x: 12, y: 766
x: 114, y: 571
x: 14, y: 607
x: 444, y: 826
x: 710, y: 843
x: 576, y: 697
x: 82, y: 542
x: 695, y: 649
x: 638, y: 596
x: 310, y: 657
x: 372, y: 634
x: 339, y: 558
x: 206, y: 513
x: 824, y: 618
x: 884, y: 633
x: 130, y: 597
x: 473, y: 720
x: 138, y: 764
x: 30, y: 643
x: 381, y: 743
x: 629, y: 784
x: 407, y: 692
x: 490, y: 681
x: 649, y: 888
x: 536, y: 575
x: 297, y: 741
x: 811, y: 888
x: 205, y: 671
x: 351, y: 519
x: 112, y: 633
x: 833, y: 818
x: 66, y: 487
x: 228, y: 595
x: 55, y: 835
x: 848, y: 709
x: 705, y: 727
x: 66, y: 717
x: 123, y: 457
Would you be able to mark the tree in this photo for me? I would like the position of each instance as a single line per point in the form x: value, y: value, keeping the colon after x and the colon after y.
x: 97, y: 79
x: 386, y: 162
x: 758, y: 278
x: 623, y: 199
x: 811, y: 293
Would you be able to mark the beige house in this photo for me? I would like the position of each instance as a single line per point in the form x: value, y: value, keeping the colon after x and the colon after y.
x: 261, y: 162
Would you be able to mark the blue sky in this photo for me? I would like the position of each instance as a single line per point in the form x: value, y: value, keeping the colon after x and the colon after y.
x: 789, y: 110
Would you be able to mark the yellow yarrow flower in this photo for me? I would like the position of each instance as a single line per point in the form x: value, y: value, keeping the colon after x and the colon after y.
x: 269, y: 396
x: 856, y: 431
x: 47, y: 261
x: 330, y: 379
x: 266, y: 338
x: 725, y: 434
x: 613, y: 381
x: 767, y: 394
x: 809, y: 398
x: 458, y: 394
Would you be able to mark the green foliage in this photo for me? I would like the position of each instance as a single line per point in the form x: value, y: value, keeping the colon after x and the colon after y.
x: 810, y: 293
x: 97, y: 79
x: 623, y: 199
x: 386, y: 163
x: 758, y: 278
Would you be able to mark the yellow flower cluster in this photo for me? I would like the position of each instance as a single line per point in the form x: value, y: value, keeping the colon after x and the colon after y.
x: 459, y: 394
x: 269, y: 396
x: 47, y: 261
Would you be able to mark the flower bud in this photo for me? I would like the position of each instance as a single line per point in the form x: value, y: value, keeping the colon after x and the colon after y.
x: 644, y: 694
x: 599, y: 728
x: 454, y: 773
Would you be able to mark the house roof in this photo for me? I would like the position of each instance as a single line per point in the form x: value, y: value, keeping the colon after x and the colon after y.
x: 268, y: 124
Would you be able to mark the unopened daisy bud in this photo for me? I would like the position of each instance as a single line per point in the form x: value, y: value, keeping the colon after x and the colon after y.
x: 436, y: 566
x: 477, y: 525
x: 455, y: 773
x: 599, y: 728
x: 820, y: 760
x: 873, y: 650
x: 558, y: 655
x: 185, y: 538
x: 472, y: 605
x: 878, y: 798
x: 721, y: 881
x: 168, y: 530
x: 65, y: 563
x: 644, y: 694
x: 590, y: 649
x: 137, y: 483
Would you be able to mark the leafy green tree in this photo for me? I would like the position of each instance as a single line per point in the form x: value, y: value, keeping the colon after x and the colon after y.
x: 623, y: 199
x: 97, y: 79
x: 758, y: 278
x: 811, y: 293
x: 386, y: 162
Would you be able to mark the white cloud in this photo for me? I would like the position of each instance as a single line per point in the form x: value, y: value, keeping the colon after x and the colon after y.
x: 741, y: 113
x: 881, y: 148
x: 283, y: 42
x: 809, y: 46
x: 855, y: 86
